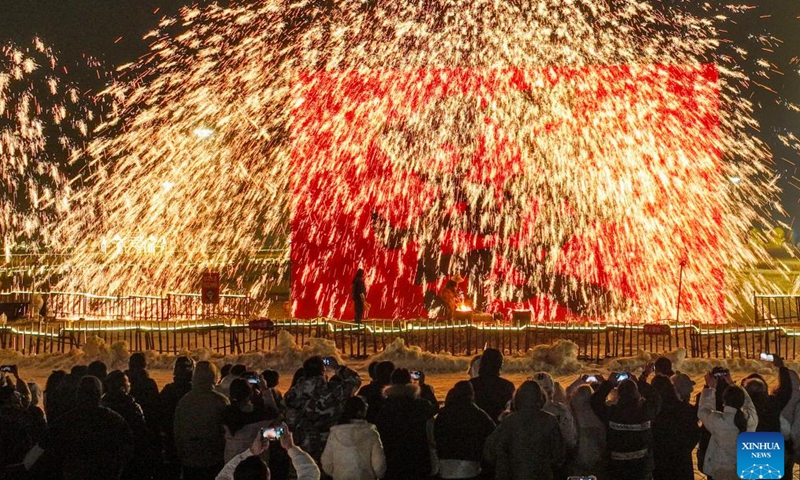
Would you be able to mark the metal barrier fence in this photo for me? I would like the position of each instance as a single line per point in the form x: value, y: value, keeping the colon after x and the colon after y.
x: 595, y: 343
x: 780, y: 309
x: 171, y: 307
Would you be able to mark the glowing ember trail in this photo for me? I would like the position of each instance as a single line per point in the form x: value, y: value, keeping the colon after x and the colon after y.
x: 562, y: 156
x: 44, y: 120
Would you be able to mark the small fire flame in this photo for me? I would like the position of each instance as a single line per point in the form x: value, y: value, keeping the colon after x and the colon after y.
x: 464, y: 308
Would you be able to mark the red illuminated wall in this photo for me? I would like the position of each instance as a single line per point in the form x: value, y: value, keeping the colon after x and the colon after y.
x: 340, y: 181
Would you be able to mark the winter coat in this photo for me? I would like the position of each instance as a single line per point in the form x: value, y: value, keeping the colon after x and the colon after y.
x: 90, y: 443
x: 403, y: 426
x: 199, y: 437
x: 373, y: 394
x: 720, y: 458
x: 354, y: 452
x: 460, y: 430
x: 527, y: 445
x: 241, y: 428
x: 168, y: 400
x: 589, y: 457
x: 675, y: 434
x: 492, y: 394
x: 145, y: 391
x: 314, y: 405
x: 144, y: 451
x: 565, y: 422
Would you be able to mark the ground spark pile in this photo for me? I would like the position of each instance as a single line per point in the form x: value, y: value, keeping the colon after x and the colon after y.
x: 564, y: 155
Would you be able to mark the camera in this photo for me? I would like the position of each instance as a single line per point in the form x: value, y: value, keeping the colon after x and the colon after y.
x: 623, y: 376
x: 416, y: 375
x: 591, y: 379
x: 767, y: 357
x: 721, y: 373
x: 8, y: 368
x: 327, y: 361
x: 253, y: 380
x: 581, y: 477
x: 272, y: 434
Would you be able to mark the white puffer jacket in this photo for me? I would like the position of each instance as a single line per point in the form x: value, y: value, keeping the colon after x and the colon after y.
x: 720, y: 460
x: 354, y: 452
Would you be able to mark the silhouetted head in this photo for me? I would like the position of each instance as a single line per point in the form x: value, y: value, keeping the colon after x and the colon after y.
x: 137, y: 362
x: 733, y: 396
x: 401, y: 376
x: 359, y: 274
x: 529, y: 397
x: 665, y: 388
x: 205, y: 375
x: 97, y: 369
x: 628, y: 392
x: 383, y: 372
x: 237, y: 370
x: 251, y: 468
x: 462, y: 392
x: 89, y: 392
x: 313, y: 367
x: 491, y: 362
x: 225, y: 370
x: 663, y: 365
x: 371, y: 369
x: 272, y: 377
x: 240, y: 391
x: 117, y: 382
x: 183, y: 369
x: 355, y: 408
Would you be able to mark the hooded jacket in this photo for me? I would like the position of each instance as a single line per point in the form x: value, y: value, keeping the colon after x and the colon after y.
x: 590, y: 452
x: 354, y: 452
x: 403, y: 426
x: 199, y: 437
x: 527, y: 445
x: 720, y: 458
x: 492, y: 393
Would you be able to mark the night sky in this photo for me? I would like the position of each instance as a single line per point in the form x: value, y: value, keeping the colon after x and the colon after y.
x: 111, y: 31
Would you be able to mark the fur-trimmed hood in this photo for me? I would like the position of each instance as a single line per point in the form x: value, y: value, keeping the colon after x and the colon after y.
x: 409, y: 390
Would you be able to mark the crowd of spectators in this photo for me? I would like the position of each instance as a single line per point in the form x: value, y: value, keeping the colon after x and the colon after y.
x: 90, y: 424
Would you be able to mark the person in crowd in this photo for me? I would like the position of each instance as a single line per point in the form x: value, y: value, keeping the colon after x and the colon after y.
x: 78, y: 372
x: 99, y: 370
x: 119, y: 399
x: 738, y: 415
x: 628, y: 423
x: 705, y: 435
x: 359, y: 296
x: 675, y: 434
x: 559, y: 409
x: 57, y: 400
x: 225, y: 370
x: 236, y: 371
x: 425, y: 390
x: 354, y: 450
x: 22, y: 424
x: 144, y: 389
x: 684, y: 386
x: 314, y: 404
x: 663, y: 366
x: 460, y: 431
x: 272, y: 378
x: 492, y: 392
x: 373, y: 392
x: 589, y: 456
x: 243, y: 418
x: 527, y: 443
x: 168, y: 400
x: 371, y: 370
x: 248, y: 465
x: 90, y: 442
x: 199, y: 436
x: 403, y: 426
x: 769, y: 406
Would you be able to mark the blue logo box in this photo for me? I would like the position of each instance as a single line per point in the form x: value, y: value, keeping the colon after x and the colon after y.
x: 759, y: 455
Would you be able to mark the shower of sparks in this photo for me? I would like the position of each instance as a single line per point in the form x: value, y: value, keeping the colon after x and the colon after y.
x: 44, y: 121
x: 224, y: 121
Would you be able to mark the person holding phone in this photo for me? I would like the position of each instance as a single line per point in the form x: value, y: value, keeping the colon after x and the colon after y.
x: 314, y: 403
x: 628, y: 422
x: 737, y: 415
x: 354, y: 450
x: 249, y: 465
x: 242, y: 418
